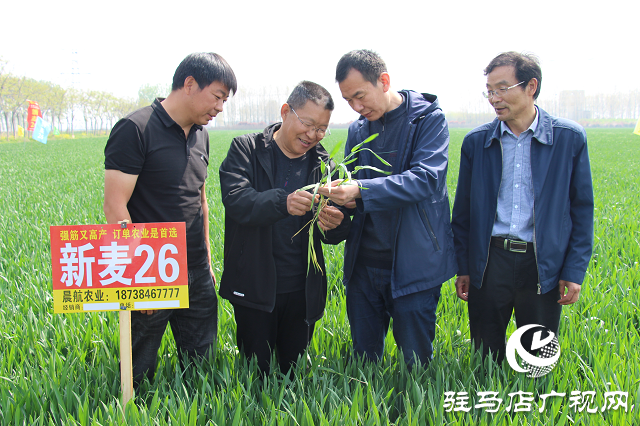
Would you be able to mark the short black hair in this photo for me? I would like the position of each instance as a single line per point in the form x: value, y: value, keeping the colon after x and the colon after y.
x: 527, y: 66
x: 367, y: 62
x: 205, y: 68
x: 310, y: 91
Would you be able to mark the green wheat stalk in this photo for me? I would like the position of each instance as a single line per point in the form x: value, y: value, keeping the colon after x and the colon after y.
x: 341, y: 172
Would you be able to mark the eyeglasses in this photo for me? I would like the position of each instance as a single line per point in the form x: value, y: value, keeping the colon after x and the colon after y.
x: 320, y: 132
x: 500, y: 92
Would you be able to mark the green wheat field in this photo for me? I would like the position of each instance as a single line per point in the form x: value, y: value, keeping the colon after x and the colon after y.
x: 63, y: 369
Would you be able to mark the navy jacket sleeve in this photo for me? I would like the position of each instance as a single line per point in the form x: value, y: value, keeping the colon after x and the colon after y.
x: 581, y: 200
x: 241, y: 200
x: 426, y: 177
x: 460, y: 219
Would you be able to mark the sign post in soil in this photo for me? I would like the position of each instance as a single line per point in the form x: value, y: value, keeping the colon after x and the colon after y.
x: 123, y: 267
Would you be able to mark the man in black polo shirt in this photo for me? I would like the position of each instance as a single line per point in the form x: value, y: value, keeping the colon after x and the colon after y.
x: 276, y: 301
x: 156, y: 164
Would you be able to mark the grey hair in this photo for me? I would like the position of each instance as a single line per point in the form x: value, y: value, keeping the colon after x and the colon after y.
x: 309, y: 91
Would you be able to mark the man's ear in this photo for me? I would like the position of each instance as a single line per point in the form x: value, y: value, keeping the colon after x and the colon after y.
x: 385, y: 80
x: 190, y: 85
x: 532, y: 86
x: 284, y: 111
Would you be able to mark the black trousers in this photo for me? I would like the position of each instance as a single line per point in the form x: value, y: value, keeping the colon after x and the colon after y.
x: 510, y: 285
x: 284, y: 331
x: 194, y: 329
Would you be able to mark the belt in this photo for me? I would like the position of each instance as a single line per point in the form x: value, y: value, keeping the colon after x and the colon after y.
x: 516, y: 246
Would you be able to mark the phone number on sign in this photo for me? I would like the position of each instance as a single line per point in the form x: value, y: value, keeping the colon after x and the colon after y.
x: 141, y: 293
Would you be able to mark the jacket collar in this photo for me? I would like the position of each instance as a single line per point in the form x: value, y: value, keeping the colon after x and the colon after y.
x: 542, y: 134
x: 269, y: 131
x: 544, y: 131
x: 264, y: 149
x: 417, y: 105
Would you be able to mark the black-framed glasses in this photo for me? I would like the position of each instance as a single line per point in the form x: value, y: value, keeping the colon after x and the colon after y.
x: 500, y: 92
x: 320, y: 132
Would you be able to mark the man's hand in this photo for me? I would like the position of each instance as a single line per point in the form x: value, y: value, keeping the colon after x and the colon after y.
x: 343, y: 195
x: 330, y: 217
x: 299, y: 202
x: 569, y: 292
x: 462, y: 287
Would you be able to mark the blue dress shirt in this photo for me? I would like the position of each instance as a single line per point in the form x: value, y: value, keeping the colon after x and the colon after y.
x: 514, y: 217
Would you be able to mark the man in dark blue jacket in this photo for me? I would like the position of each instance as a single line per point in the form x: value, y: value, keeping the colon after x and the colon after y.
x: 523, y: 212
x: 400, y: 247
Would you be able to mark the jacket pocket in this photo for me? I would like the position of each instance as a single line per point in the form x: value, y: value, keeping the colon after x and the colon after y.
x: 427, y: 224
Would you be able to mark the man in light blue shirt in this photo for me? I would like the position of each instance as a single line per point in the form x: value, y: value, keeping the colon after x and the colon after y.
x: 523, y: 214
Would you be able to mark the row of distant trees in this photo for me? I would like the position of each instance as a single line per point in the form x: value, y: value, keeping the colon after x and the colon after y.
x: 253, y: 106
x: 250, y: 107
x: 62, y: 107
x: 610, y: 109
x: 577, y: 105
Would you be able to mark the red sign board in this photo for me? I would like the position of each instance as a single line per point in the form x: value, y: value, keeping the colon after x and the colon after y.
x: 109, y: 267
x: 33, y: 113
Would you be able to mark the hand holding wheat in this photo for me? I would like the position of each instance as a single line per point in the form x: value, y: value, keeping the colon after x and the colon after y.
x: 343, y: 190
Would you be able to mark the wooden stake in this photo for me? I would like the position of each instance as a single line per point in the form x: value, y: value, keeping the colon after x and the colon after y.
x: 126, y: 367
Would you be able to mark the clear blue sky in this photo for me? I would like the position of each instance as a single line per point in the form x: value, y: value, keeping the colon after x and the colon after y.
x: 441, y: 49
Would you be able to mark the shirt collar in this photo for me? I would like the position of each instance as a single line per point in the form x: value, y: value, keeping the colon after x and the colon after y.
x: 164, y: 115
